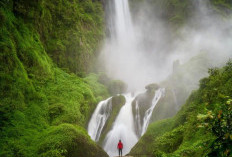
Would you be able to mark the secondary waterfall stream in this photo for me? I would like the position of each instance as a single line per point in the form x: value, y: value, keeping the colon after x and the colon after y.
x: 99, y: 118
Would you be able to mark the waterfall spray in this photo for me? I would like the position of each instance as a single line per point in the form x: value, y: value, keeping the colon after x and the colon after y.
x: 123, y: 128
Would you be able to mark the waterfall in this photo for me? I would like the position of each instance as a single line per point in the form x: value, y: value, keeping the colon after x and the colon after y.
x: 122, y: 52
x: 99, y: 118
x: 146, y: 120
x: 123, y: 128
x: 123, y: 25
x: 121, y: 49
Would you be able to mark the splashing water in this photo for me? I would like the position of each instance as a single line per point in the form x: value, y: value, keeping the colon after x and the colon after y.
x: 123, y: 129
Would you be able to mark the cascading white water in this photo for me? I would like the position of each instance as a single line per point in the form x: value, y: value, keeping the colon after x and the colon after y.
x: 99, y: 118
x: 123, y: 27
x: 146, y: 120
x: 123, y: 128
x: 121, y: 51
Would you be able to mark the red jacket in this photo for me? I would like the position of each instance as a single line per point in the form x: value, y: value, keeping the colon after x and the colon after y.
x: 120, y: 145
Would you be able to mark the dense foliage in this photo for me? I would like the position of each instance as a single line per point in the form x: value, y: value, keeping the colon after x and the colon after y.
x: 201, y: 128
x: 43, y: 109
x: 71, y: 31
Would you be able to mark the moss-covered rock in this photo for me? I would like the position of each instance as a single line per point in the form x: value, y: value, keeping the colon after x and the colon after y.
x: 71, y: 36
x: 152, y: 87
x: 68, y: 141
x: 37, y: 97
x: 166, y: 107
x: 117, y: 87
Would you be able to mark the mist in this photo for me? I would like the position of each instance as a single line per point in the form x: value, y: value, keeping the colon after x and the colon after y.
x: 141, y: 45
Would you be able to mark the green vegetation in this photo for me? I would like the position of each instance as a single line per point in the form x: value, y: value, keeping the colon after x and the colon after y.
x: 67, y: 140
x: 71, y: 31
x: 43, y: 109
x: 177, y: 12
x: 203, y: 125
x: 114, y: 86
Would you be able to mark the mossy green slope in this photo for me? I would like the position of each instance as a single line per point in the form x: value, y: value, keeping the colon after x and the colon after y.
x: 201, y: 128
x: 73, y: 142
x: 42, y: 108
x: 71, y: 31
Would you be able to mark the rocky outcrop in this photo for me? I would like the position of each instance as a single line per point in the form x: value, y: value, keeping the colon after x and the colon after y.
x: 141, y: 104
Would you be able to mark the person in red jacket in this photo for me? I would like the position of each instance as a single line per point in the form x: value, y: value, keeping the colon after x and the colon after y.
x: 120, y: 147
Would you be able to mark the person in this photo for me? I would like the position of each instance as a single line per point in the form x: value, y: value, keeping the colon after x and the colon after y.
x: 120, y: 147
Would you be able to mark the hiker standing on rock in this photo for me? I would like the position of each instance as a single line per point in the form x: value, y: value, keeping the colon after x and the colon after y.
x: 120, y: 147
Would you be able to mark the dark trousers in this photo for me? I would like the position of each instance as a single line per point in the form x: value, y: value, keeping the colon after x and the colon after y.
x: 120, y: 151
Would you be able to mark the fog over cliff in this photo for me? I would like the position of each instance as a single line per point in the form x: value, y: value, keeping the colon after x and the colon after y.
x: 141, y: 46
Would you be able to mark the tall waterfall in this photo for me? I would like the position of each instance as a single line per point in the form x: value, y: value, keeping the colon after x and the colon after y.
x: 99, y: 118
x: 121, y: 52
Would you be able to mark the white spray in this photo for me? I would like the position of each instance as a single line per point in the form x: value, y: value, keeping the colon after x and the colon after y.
x: 123, y: 129
x: 121, y: 53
